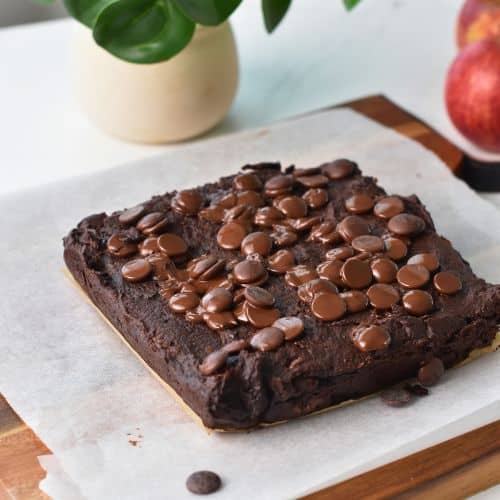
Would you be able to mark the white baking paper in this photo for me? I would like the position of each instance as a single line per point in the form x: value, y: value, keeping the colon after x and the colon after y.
x: 114, y: 430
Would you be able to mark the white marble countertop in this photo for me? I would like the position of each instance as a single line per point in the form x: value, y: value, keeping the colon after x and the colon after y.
x: 319, y: 56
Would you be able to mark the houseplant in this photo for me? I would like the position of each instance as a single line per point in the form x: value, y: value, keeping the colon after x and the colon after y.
x: 129, y: 81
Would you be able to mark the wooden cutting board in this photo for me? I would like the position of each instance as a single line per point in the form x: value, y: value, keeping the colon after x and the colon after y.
x: 453, y: 469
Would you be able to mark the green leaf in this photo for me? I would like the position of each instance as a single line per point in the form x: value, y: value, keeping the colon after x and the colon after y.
x: 208, y: 12
x: 350, y: 4
x: 143, y: 31
x: 44, y: 2
x: 86, y: 11
x: 274, y: 11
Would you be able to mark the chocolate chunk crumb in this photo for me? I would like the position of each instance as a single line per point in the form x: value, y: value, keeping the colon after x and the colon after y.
x: 203, y: 482
x: 396, y: 397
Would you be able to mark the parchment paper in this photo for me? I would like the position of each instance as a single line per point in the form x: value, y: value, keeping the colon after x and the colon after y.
x: 115, y: 432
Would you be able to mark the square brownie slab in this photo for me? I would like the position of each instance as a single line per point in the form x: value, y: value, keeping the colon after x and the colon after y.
x: 273, y: 293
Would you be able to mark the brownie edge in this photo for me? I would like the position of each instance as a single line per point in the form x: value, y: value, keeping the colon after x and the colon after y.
x: 218, y: 358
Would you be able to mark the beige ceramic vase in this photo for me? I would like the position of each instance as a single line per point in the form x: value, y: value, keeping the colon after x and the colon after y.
x: 157, y: 103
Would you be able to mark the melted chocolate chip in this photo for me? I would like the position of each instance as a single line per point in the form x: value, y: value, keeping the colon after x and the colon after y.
x: 328, y: 306
x: 352, y: 226
x: 211, y: 364
x: 231, y: 235
x: 307, y: 291
x: 219, y: 320
x: 247, y: 182
x: 283, y: 236
x: 340, y: 253
x: 315, y: 197
x: 338, y: 169
x: 359, y: 203
x: 248, y: 271
x: 236, y: 346
x: 292, y: 206
x: 183, y: 301
x: 313, y: 181
x: 172, y: 245
x: 447, y: 282
x: 395, y: 248
x: 382, y: 296
x: 330, y: 270
x: 131, y: 215
x: 267, y: 339
x: 119, y: 246
x: 418, y: 302
x: 281, y: 262
x: 260, y: 317
x: 149, y: 246
x: 356, y: 301
x: 413, y: 276
x: 388, y: 207
x: 384, y: 270
x: 258, y: 242
x: 136, y: 270
x: 187, y: 202
x: 152, y: 223
x: 428, y: 260
x: 267, y: 216
x: 368, y: 338
x: 258, y: 297
x: 291, y: 326
x: 368, y: 243
x: 217, y: 300
x: 356, y: 273
x: 406, y: 224
x: 251, y: 198
x: 299, y: 275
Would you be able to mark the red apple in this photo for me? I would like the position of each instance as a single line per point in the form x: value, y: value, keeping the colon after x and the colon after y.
x: 478, y: 19
x: 473, y: 93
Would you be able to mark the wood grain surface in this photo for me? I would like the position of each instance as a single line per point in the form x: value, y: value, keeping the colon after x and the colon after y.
x: 453, y: 469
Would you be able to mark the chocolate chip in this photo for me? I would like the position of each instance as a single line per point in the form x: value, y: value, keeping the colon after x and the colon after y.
x: 291, y: 326
x: 325, y: 233
x: 183, y: 301
x: 313, y: 181
x: 136, y: 270
x: 235, y: 346
x: 244, y: 182
x: 119, y: 246
x: 430, y: 373
x: 328, y: 306
x: 163, y: 268
x: 330, y: 270
x: 283, y: 236
x: 356, y: 273
x: 187, y: 202
x: 396, y: 397
x: 418, y: 302
x: 217, y: 300
x: 340, y: 253
x: 267, y: 216
x: 198, y: 266
x: 384, y: 270
x: 240, y: 213
x: 258, y: 242
x: 356, y: 301
x: 149, y: 246
x: 338, y: 169
x: 172, y: 245
x: 279, y: 184
x: 359, y: 203
x: 368, y: 243
x: 382, y: 296
x: 248, y: 271
x: 406, y: 224
x: 258, y: 297
x: 299, y: 275
x: 304, y: 223
x: 152, y: 223
x: 219, y: 320
x: 260, y: 316
x: 447, y: 282
x: 370, y: 338
x: 228, y: 200
x: 413, y: 276
x: 267, y: 339
x: 251, y: 198
x: 352, y: 226
x: 388, y: 207
x: 213, y: 362
x: 213, y: 213
x: 395, y: 248
x: 231, y: 235
x: 240, y: 312
x: 315, y: 197
x: 281, y: 261
x: 428, y: 260
x: 307, y: 291
x: 131, y: 215
x: 292, y: 206
x: 300, y: 172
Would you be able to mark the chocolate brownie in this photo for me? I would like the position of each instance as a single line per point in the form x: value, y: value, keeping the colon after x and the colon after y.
x: 275, y: 293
